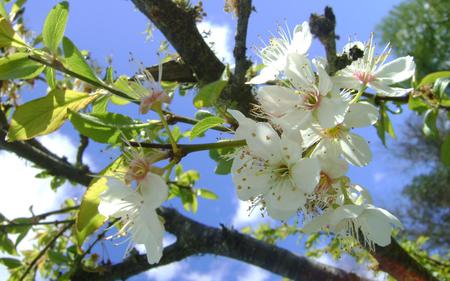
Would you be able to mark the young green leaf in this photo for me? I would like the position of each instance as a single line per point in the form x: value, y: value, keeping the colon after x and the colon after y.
x: 8, y: 37
x: 430, y: 78
x: 45, y: 115
x: 10, y: 263
x: 209, y: 93
x: 105, y: 127
x: 429, y: 124
x: 54, y: 26
x: 205, y: 124
x: 18, y: 65
x: 75, y: 62
x: 88, y: 219
x: 445, y: 152
x: 224, y: 162
x: 50, y: 76
x: 206, y: 194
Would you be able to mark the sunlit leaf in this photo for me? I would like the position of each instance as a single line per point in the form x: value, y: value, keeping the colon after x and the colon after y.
x: 18, y: 65
x: 54, y: 26
x: 45, y: 115
x: 205, y: 124
x: 209, y: 93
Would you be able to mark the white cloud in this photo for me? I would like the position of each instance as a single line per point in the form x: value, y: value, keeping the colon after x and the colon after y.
x: 21, y: 189
x: 379, y: 177
x: 167, y: 272
x: 255, y: 274
x: 218, y: 37
x: 243, y: 217
x: 218, y: 271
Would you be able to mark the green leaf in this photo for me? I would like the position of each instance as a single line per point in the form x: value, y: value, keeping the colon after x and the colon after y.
x: 100, y: 105
x: 54, y: 26
x: 224, y: 162
x: 105, y: 127
x: 429, y: 124
x: 18, y: 65
x: 417, y: 104
x: 205, y: 124
x: 430, y: 78
x: 384, y: 125
x: 74, y: 61
x: 50, y: 76
x: 10, y: 263
x: 88, y: 219
x: 202, y: 114
x: 445, y: 152
x: 8, y: 37
x: 209, y: 93
x: 45, y: 115
x: 207, y: 194
x: 440, y: 86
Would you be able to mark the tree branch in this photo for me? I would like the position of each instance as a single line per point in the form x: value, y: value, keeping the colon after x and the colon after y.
x: 194, y: 238
x: 178, y: 24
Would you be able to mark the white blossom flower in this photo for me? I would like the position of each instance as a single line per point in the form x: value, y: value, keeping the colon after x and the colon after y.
x: 370, y: 71
x: 375, y: 224
x: 136, y: 210
x: 274, y: 55
x: 271, y: 168
x: 307, y: 100
x: 336, y: 141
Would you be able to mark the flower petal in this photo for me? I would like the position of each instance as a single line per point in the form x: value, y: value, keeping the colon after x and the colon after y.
x: 279, y: 214
x: 306, y: 174
x: 355, y: 150
x: 285, y: 196
x: 268, y: 73
x: 346, y: 81
x: 118, y: 199
x: 149, y: 230
x: 331, y: 111
x: 361, y: 114
x: 302, y: 39
x: 333, y: 167
x: 325, y: 84
x: 299, y: 71
x: 318, y: 223
x: 396, y: 71
x: 154, y: 190
x: 385, y: 90
x: 277, y: 100
x: 291, y: 149
x: 249, y: 178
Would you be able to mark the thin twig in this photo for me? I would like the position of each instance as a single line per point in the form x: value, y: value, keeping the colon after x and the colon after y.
x: 56, y: 222
x: 44, y: 250
x: 188, y: 148
x: 84, y: 142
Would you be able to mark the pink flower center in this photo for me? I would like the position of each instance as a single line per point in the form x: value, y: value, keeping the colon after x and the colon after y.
x: 137, y: 170
x: 148, y: 101
x: 364, y: 77
x: 311, y: 100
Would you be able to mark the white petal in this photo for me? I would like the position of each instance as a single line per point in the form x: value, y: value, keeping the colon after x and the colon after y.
x: 331, y: 111
x: 154, y: 190
x: 327, y: 148
x: 291, y: 149
x: 149, y: 230
x: 333, y: 167
x: 397, y: 70
x: 118, y: 199
x: 347, y: 82
x: 375, y: 227
x: 345, y: 212
x: 245, y: 124
x: 318, y: 223
x: 285, y: 196
x: 249, y: 179
x: 302, y: 38
x: 385, y: 90
x: 299, y: 71
x: 295, y: 119
x: 277, y: 100
x: 306, y: 174
x: 361, y: 114
x: 309, y: 137
x: 279, y: 214
x: 355, y: 150
x: 268, y: 73
x: 325, y: 84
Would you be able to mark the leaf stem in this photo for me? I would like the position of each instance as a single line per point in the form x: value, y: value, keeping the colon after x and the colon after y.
x: 359, y: 94
x: 169, y: 132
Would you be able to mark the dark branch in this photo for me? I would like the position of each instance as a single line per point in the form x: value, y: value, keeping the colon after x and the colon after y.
x: 194, y: 238
x: 174, y: 71
x: 84, y: 142
x: 323, y: 27
x: 178, y: 24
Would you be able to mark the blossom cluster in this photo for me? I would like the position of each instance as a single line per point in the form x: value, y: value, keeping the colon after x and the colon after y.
x: 296, y: 161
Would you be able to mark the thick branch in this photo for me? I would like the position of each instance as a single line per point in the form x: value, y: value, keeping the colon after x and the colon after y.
x: 174, y: 71
x: 194, y: 238
x: 179, y: 27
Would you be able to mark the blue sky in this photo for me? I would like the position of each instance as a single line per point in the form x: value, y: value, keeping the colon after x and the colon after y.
x: 115, y: 28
